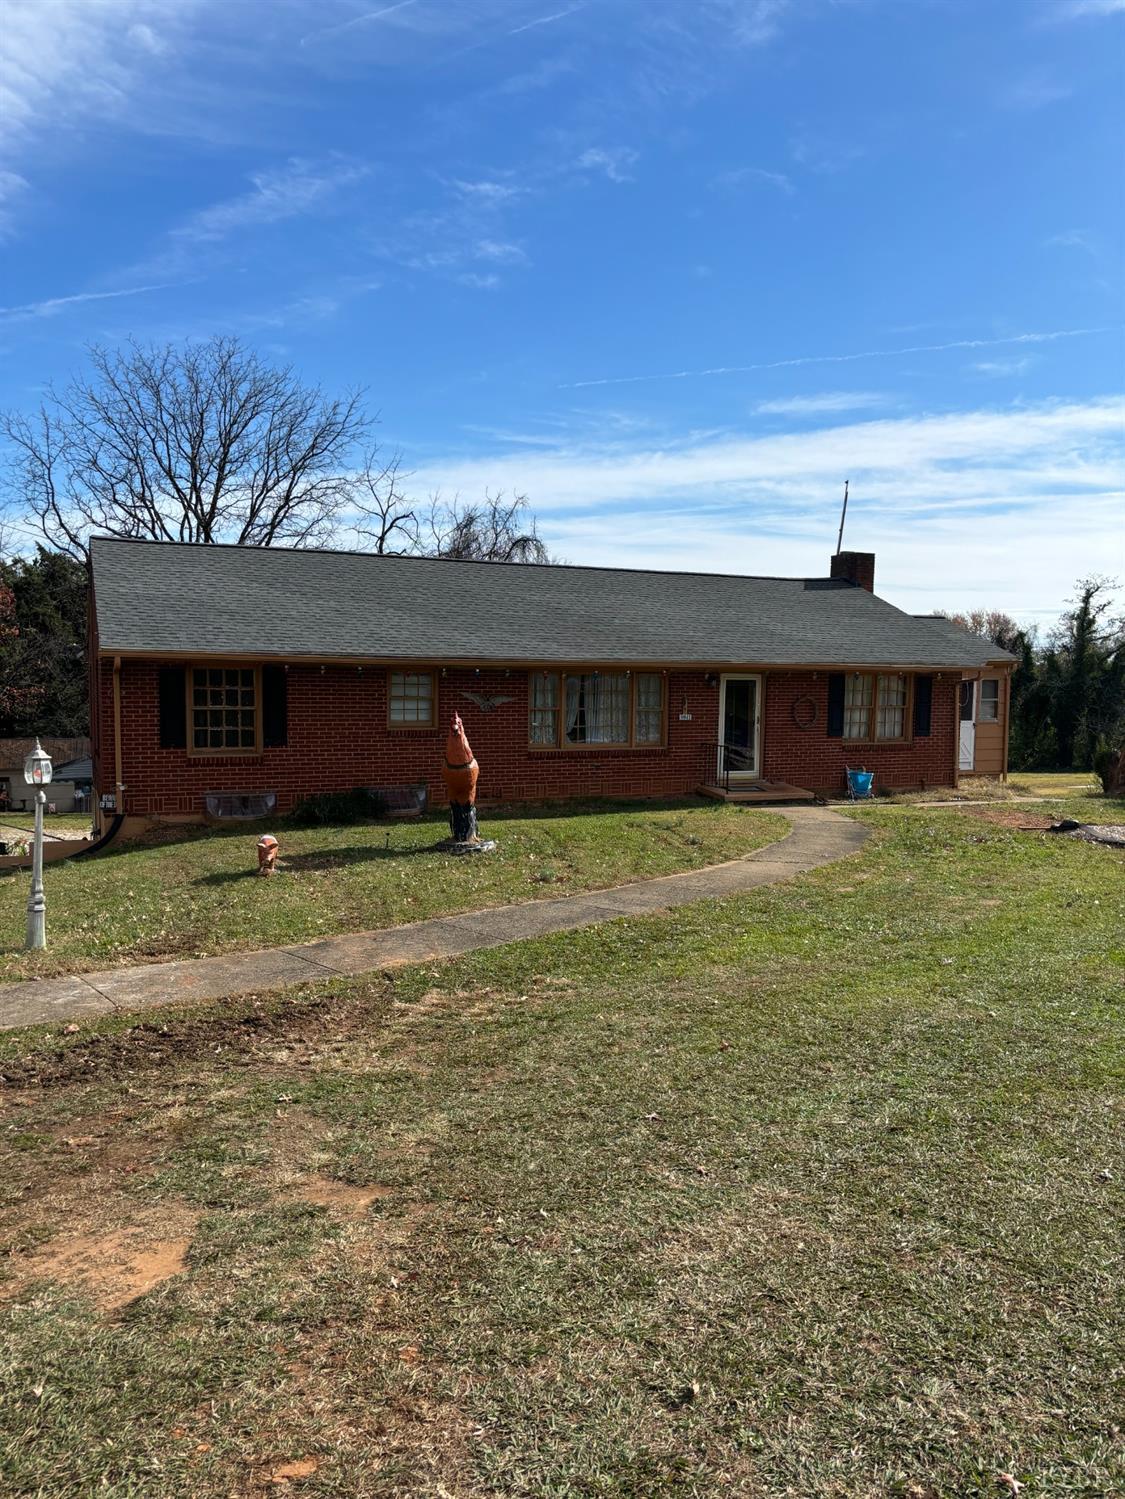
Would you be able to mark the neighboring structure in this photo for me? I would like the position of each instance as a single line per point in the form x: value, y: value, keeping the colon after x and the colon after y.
x: 983, y: 710
x: 70, y: 784
x: 983, y: 744
x: 242, y: 679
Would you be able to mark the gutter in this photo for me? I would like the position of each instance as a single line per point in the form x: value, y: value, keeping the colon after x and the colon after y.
x: 577, y: 663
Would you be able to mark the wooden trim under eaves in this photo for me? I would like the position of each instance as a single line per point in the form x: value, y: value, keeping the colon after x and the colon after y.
x: 581, y: 663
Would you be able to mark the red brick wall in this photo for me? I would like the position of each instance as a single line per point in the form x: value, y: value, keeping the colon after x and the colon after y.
x: 807, y: 757
x: 338, y: 738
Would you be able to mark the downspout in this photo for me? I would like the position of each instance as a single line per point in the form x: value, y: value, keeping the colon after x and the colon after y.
x: 1007, y: 721
x: 119, y: 786
x: 959, y: 678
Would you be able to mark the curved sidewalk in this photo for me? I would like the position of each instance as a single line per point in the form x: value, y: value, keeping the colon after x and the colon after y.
x: 817, y: 836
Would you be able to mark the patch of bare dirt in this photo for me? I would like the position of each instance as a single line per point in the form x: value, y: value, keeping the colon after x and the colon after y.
x: 253, y: 1029
x: 286, y: 1474
x: 1022, y: 818
x: 114, y: 1267
x: 339, y: 1197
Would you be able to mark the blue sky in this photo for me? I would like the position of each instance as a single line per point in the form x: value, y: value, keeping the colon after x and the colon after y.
x: 673, y: 268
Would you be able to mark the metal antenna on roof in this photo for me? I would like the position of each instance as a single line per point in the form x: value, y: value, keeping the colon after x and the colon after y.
x: 843, y: 518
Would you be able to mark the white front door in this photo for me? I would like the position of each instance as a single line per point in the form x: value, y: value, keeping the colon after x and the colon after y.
x: 740, y: 700
x: 968, y: 726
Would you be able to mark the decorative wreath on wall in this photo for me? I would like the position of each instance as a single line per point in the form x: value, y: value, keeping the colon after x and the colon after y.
x: 805, y: 712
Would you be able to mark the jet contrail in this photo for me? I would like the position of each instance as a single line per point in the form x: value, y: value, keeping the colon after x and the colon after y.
x: 780, y: 364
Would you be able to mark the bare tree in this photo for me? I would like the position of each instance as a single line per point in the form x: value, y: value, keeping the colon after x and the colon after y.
x: 495, y: 529
x: 201, y: 441
x: 989, y: 624
x: 383, y: 515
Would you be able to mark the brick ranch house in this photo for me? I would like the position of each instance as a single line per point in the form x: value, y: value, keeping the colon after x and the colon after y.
x: 266, y: 675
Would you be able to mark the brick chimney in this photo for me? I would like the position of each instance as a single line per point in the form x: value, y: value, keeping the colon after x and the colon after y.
x: 856, y: 567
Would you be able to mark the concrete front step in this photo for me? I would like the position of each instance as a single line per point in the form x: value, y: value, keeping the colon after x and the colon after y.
x: 757, y: 791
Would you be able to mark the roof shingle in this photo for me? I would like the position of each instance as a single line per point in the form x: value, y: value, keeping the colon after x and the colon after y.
x: 164, y: 598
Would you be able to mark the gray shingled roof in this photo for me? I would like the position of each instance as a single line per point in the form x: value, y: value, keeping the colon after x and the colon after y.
x: 164, y: 598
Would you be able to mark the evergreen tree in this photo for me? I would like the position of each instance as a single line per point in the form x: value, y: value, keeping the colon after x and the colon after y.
x: 42, y: 646
x: 1084, y: 675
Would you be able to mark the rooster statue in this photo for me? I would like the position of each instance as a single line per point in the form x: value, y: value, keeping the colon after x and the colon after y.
x: 460, y: 775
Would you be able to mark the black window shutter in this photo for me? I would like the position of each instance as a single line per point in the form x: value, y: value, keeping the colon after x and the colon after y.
x: 172, y: 689
x: 275, y: 707
x: 923, y: 706
x: 835, y: 705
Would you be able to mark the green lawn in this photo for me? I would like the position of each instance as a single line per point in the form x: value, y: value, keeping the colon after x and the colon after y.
x: 1049, y: 784
x: 812, y: 1191
x: 1057, y: 783
x: 200, y: 893
x: 60, y: 824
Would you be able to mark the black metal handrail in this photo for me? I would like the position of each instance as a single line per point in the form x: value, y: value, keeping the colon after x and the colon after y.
x: 723, y: 758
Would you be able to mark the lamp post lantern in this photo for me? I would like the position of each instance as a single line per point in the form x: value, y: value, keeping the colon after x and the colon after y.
x: 37, y: 773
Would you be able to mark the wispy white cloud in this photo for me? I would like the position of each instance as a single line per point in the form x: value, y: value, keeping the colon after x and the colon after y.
x: 826, y: 154
x: 68, y: 59
x: 823, y: 404
x: 1035, y: 90
x: 486, y: 281
x: 806, y: 359
x: 614, y: 162
x: 749, y: 176
x: 280, y: 193
x: 488, y: 191
x: 755, y: 22
x: 469, y: 228
x: 1074, y: 239
x: 1076, y: 10
x: 142, y: 35
x: 1003, y: 368
x: 1006, y: 505
x: 12, y: 188
x: 531, y: 80
x: 925, y: 462
x: 503, y: 251
x: 52, y: 306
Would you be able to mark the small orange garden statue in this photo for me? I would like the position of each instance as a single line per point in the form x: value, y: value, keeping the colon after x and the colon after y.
x: 267, y: 854
x: 460, y: 776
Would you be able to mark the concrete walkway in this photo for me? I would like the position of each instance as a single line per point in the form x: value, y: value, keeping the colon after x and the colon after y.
x: 817, y: 836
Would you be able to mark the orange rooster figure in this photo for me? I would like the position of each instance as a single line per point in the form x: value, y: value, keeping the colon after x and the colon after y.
x: 460, y: 776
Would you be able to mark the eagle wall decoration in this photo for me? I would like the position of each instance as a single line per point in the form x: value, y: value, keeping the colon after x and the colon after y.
x: 486, y: 702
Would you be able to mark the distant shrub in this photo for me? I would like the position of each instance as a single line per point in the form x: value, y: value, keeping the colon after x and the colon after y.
x: 361, y: 804
x: 1105, y: 763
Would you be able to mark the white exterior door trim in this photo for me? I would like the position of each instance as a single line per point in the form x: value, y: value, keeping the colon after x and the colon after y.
x: 751, y: 773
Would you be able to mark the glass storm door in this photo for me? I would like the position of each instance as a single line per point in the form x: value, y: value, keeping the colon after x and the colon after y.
x: 739, y: 721
x: 968, y: 726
